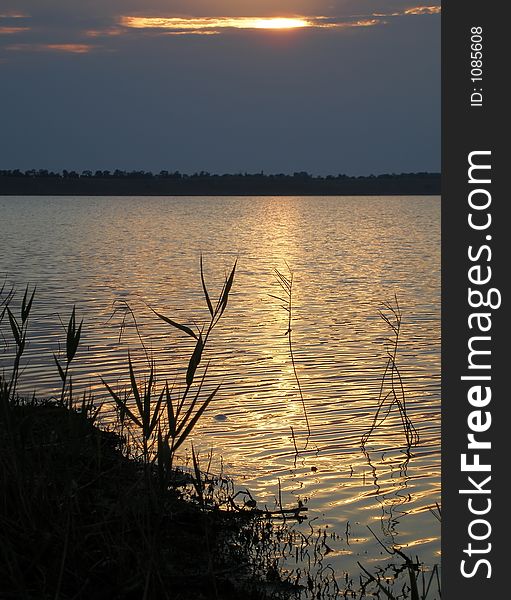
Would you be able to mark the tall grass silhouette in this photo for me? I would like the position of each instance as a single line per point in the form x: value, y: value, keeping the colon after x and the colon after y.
x: 166, y: 418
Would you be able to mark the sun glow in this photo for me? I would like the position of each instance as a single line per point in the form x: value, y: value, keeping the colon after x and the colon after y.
x: 217, y: 25
x: 208, y: 23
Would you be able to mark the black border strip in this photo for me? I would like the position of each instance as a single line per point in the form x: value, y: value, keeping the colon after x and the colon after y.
x: 466, y: 129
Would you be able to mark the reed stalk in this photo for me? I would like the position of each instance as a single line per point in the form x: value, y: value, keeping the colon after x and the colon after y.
x: 286, y: 285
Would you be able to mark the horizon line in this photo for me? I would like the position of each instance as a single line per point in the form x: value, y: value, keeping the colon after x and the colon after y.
x: 166, y: 172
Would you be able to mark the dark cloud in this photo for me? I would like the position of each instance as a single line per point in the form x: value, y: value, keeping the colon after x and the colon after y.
x: 83, y: 92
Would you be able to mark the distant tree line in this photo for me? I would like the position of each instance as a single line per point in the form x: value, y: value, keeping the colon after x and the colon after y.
x: 203, y: 175
x: 174, y: 183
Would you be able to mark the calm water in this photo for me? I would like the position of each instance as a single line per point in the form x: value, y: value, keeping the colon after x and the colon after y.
x: 348, y: 256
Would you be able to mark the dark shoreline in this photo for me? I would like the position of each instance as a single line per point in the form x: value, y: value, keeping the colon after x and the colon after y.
x: 422, y: 184
x: 73, y: 497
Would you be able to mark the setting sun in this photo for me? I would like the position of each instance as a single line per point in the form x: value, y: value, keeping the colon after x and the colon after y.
x: 280, y: 23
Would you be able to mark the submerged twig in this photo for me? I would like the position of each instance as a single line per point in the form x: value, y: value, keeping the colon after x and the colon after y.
x: 392, y: 378
x: 122, y: 306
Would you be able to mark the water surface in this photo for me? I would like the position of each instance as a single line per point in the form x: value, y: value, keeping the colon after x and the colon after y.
x: 348, y: 256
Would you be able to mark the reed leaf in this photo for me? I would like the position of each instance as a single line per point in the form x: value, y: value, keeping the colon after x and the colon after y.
x: 195, y: 418
x: 73, y: 336
x: 181, y: 423
x: 164, y: 456
x: 184, y: 328
x: 16, y: 331
x: 134, y: 388
x: 194, y: 361
x: 147, y: 401
x: 26, y: 307
x: 61, y: 370
x: 123, y: 405
x: 206, y: 295
x: 70, y: 335
x: 156, y: 414
x: 227, y: 288
x: 170, y: 412
x: 198, y: 478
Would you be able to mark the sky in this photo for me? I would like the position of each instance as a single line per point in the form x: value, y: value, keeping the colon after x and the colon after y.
x: 324, y: 86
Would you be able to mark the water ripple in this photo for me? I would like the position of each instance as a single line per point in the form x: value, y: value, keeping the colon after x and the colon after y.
x: 348, y: 256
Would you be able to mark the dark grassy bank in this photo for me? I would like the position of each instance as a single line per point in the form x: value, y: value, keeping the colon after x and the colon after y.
x: 79, y: 519
x: 139, y: 183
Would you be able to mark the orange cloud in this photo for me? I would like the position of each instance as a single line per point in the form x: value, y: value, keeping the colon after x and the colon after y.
x: 197, y: 32
x: 13, y: 15
x: 12, y: 30
x: 71, y: 48
x: 416, y: 10
x: 111, y: 32
x: 423, y: 10
x: 366, y: 23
